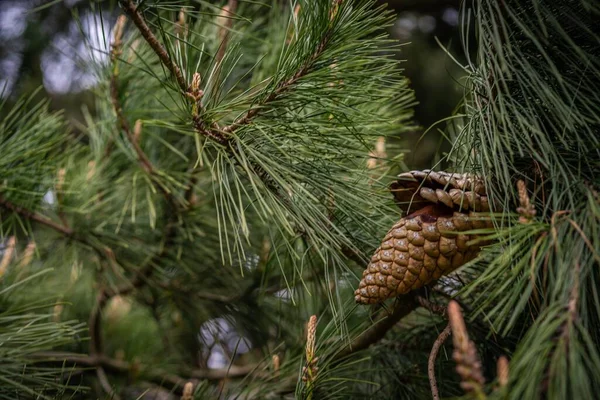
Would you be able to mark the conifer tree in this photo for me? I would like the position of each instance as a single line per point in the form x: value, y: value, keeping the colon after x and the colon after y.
x: 204, y: 235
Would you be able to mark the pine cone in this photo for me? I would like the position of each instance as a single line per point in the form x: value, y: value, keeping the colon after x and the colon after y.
x: 428, y: 243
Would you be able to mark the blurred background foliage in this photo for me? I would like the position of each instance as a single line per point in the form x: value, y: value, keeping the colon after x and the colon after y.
x: 41, y: 45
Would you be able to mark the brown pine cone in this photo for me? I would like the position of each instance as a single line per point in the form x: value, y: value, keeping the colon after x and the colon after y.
x: 428, y: 243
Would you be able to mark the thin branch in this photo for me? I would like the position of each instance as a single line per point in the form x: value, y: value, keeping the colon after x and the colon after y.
x: 434, y: 308
x: 65, y: 230
x: 124, y: 125
x: 404, y: 306
x: 105, y: 384
x: 155, y: 375
x: 432, y: 357
x: 94, y: 326
x: 353, y: 255
x: 132, y: 12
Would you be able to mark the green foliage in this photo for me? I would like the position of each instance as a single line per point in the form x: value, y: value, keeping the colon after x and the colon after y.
x: 226, y: 187
x: 531, y: 113
x: 249, y: 208
x: 27, y: 328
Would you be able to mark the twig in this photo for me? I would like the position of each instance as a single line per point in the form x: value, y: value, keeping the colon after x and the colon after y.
x: 131, y: 10
x: 96, y: 345
x: 94, y: 327
x: 65, y: 230
x: 432, y: 357
x: 404, y: 306
x: 154, y: 375
x: 220, y: 298
x: 434, y: 308
x: 124, y: 125
x: 352, y: 254
x: 105, y: 384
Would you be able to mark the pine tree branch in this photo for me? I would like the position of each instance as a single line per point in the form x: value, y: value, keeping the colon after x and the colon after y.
x: 31, y: 215
x: 432, y: 357
x: 132, y: 12
x: 282, y: 87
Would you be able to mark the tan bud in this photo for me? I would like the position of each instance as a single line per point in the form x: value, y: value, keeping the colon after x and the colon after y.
x: 188, y: 391
x: 223, y: 21
x: 57, y: 311
x: 196, y: 80
x: 276, y: 364
x: 137, y: 131
x: 9, y: 251
x: 118, y: 30
x: 28, y: 254
x: 91, y: 171
x: 132, y: 50
x: 310, y: 337
x: 60, y: 179
x: 503, y: 370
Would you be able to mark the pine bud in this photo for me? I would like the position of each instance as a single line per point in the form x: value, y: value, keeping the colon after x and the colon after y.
x: 310, y: 337
x: 223, y: 21
x: 117, y: 43
x: 60, y: 180
x: 137, y: 131
x: 526, y: 210
x: 57, y: 311
x: 181, y: 27
x: 291, y: 28
x: 28, y: 254
x: 502, y: 368
x: 188, y: 391
x: 91, y: 171
x: 196, y: 80
x: 276, y: 365
x: 309, y: 372
x: 7, y: 254
x: 465, y: 355
x: 118, y: 30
